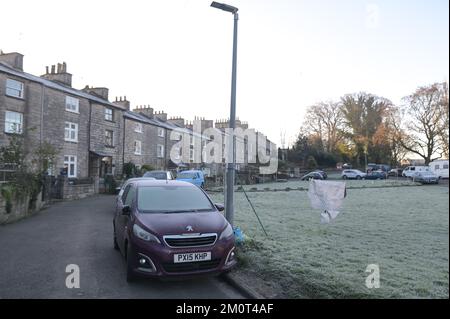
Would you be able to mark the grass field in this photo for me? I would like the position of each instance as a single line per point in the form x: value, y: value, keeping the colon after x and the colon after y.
x: 404, y: 230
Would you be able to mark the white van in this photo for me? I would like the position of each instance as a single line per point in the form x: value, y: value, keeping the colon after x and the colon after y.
x: 410, y: 170
x: 440, y: 168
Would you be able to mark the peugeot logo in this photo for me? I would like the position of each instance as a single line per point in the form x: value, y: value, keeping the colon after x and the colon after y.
x: 189, y: 228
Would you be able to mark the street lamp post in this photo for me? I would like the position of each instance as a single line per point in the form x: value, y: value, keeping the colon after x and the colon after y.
x: 229, y: 205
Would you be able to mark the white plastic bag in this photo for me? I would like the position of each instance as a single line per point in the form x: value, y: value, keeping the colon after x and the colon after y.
x: 328, y: 197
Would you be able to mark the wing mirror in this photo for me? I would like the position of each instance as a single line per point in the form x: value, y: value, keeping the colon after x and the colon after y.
x: 220, y: 207
x: 126, y: 210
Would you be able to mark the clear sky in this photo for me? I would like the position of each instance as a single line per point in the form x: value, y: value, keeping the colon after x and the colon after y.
x: 176, y: 55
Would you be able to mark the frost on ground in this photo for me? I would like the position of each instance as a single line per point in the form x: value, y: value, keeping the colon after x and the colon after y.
x: 403, y: 230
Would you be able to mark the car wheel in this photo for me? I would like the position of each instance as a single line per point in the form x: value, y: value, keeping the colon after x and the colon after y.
x: 358, y: 177
x: 344, y: 177
x: 116, y: 246
x: 130, y: 274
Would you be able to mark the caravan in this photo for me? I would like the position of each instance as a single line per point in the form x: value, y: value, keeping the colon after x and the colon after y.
x: 440, y: 168
x: 411, y: 170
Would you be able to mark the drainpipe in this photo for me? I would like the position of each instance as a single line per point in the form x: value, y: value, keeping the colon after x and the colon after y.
x: 89, y: 138
x: 123, y: 142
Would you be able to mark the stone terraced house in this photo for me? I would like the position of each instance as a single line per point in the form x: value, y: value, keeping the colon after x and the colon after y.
x: 94, y: 137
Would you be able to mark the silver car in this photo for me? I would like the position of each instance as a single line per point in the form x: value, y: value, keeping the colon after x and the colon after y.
x: 353, y: 174
x: 425, y: 177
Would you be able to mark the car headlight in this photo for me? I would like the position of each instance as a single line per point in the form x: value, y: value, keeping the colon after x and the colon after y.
x: 144, y: 235
x: 227, y: 232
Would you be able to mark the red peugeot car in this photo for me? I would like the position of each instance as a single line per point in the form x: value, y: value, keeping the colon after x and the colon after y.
x: 168, y: 228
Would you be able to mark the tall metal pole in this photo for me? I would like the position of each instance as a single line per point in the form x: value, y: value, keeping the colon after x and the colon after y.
x: 229, y: 206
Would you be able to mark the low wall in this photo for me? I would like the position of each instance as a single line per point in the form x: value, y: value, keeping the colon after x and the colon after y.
x: 20, y: 209
x: 77, y: 191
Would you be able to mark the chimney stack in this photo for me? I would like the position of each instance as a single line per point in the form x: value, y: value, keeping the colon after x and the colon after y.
x: 58, y: 74
x: 122, y: 103
x: 13, y: 59
x: 100, y: 92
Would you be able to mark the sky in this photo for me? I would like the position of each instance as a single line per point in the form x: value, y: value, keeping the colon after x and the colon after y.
x: 176, y: 55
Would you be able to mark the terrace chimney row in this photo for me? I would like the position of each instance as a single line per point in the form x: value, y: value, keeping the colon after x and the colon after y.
x: 58, y: 74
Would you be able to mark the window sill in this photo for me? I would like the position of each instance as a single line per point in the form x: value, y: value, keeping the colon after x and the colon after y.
x: 72, y: 111
x: 13, y: 133
x: 15, y: 97
x: 110, y: 121
x: 109, y: 146
x: 71, y: 141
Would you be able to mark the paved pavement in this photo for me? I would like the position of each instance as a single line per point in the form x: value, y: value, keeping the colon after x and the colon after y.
x: 34, y: 253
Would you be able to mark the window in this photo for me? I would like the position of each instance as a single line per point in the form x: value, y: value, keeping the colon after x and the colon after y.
x: 436, y: 167
x: 13, y: 122
x: 109, y: 116
x: 71, y: 132
x: 160, y: 132
x: 72, y: 104
x: 445, y: 166
x: 130, y: 196
x: 137, y: 147
x: 70, y: 165
x: 160, y: 150
x: 14, y: 88
x: 191, y: 154
x: 138, y: 128
x: 109, y: 138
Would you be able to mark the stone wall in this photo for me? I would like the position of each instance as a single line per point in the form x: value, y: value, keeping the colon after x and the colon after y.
x: 20, y: 209
x: 71, y: 192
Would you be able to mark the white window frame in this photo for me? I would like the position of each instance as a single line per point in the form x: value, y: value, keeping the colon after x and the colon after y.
x: 160, y: 151
x: 112, y: 138
x: 13, y: 91
x: 71, y: 160
x: 161, y: 132
x: 138, y: 128
x: 109, y: 116
x: 72, y: 104
x: 137, y: 147
x: 13, y: 126
x: 73, y: 127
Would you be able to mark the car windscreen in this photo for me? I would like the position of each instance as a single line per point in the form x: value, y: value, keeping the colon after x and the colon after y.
x: 172, y: 199
x: 186, y: 175
x: 157, y: 175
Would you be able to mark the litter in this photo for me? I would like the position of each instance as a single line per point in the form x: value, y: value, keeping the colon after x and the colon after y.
x: 328, y: 197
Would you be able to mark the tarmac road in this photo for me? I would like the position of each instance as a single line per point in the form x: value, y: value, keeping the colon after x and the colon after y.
x: 34, y: 253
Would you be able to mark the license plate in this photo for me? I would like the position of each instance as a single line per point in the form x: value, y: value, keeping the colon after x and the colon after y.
x: 191, y: 257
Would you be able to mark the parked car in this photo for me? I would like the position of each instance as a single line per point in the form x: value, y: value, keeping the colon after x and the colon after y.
x: 440, y: 168
x: 347, y: 166
x: 353, y: 174
x: 161, y: 175
x: 312, y: 175
x: 121, y: 188
x: 396, y: 172
x: 195, y: 177
x: 323, y: 173
x: 376, y: 175
x: 170, y: 229
x: 425, y: 177
x: 411, y: 170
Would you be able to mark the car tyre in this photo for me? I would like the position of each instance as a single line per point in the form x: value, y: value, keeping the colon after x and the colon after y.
x: 344, y: 177
x: 131, y: 276
x: 358, y: 177
x: 116, y: 246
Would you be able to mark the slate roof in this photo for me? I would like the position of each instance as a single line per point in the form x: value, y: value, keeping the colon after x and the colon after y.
x: 7, y: 69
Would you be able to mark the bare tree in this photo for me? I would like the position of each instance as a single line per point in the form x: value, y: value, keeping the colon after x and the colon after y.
x: 425, y: 128
x: 325, y: 120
